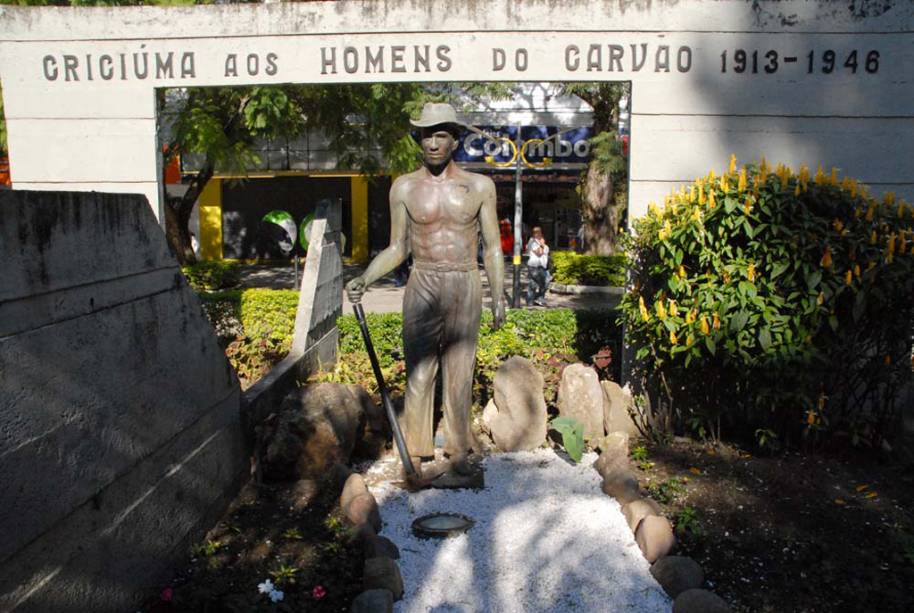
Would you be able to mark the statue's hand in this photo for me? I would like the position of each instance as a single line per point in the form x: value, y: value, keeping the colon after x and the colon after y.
x: 355, y: 288
x: 498, y: 314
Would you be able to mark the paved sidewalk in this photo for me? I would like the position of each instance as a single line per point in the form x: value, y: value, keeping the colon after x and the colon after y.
x: 385, y: 297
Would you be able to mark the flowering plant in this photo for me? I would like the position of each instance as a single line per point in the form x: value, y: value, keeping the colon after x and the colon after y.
x: 771, y: 299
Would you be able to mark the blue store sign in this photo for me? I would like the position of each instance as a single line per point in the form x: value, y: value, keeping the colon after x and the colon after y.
x: 541, y: 146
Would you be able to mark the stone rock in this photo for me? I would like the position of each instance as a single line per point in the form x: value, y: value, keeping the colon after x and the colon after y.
x: 581, y: 397
x: 655, y: 537
x: 354, y: 486
x: 373, y: 601
x: 375, y: 546
x: 676, y: 574
x: 700, y: 601
x: 621, y: 485
x: 317, y: 427
x: 383, y: 573
x: 375, y: 419
x: 516, y: 416
x: 613, y: 453
x: 363, y: 509
x: 637, y: 510
x: 303, y: 493
x: 616, y: 404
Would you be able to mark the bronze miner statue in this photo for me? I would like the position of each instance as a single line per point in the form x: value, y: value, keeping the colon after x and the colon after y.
x: 437, y: 213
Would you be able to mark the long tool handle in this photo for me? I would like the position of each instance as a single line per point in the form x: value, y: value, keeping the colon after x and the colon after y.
x: 385, y: 397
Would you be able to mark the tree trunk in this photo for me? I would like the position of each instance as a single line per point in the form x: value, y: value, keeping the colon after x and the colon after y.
x: 177, y: 217
x: 601, y: 215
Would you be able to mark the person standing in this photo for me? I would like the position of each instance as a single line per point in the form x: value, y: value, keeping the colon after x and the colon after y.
x: 437, y: 214
x: 537, y: 268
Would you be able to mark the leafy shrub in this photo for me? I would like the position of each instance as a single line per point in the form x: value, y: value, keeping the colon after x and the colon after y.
x: 257, y: 325
x: 767, y: 300
x: 577, y: 269
x: 212, y: 275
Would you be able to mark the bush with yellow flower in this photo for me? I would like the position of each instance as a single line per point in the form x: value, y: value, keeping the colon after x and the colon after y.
x: 773, y: 299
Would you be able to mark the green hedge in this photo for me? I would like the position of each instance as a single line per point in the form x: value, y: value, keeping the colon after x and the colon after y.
x: 258, y: 325
x: 578, y: 269
x: 550, y: 338
x: 211, y: 276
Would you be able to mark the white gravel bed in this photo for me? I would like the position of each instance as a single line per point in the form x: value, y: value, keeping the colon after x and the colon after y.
x: 546, y: 539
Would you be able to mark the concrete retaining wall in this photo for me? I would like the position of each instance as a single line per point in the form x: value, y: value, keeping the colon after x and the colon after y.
x: 120, y: 437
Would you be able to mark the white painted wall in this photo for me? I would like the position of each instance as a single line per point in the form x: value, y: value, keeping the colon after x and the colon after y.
x: 99, y: 134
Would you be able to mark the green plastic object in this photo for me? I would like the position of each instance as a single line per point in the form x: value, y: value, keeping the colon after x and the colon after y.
x: 304, y: 230
x: 284, y: 220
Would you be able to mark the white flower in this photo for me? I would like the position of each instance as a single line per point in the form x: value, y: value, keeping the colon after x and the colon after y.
x: 265, y: 587
x: 277, y: 595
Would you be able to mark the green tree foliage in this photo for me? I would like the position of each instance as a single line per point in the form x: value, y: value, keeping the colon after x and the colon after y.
x: 603, y: 185
x: 770, y: 302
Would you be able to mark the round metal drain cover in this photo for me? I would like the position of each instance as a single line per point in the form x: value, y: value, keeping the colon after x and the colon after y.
x: 442, y: 525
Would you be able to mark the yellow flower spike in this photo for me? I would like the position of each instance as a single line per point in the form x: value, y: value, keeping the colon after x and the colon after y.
x: 673, y: 309
x: 693, y: 194
x: 796, y: 190
x: 857, y: 270
x: 724, y: 184
x: 705, y: 329
x: 711, y: 176
x: 871, y: 211
x: 726, y: 277
x: 696, y: 214
x: 741, y: 183
x: 681, y: 272
x: 750, y: 272
x: 804, y: 173
x: 716, y: 324
x: 848, y: 277
x: 690, y: 340
x: 837, y: 224
x: 890, y: 244
x: 673, y: 339
x: 785, y: 177
x: 820, y: 176
x: 747, y: 206
x: 900, y: 209
x: 873, y: 237
x: 846, y: 183
x: 690, y: 317
x: 820, y: 299
x: 889, y: 198
x: 701, y: 194
x: 826, y: 260
x: 853, y: 188
x: 903, y: 244
x: 833, y: 178
x: 660, y: 309
x: 732, y: 167
x: 711, y: 202
x: 645, y: 316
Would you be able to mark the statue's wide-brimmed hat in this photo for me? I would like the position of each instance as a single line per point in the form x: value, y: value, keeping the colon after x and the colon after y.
x: 442, y: 114
x: 436, y: 114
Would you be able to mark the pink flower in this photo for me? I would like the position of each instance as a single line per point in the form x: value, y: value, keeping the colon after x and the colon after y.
x: 167, y: 594
x: 318, y: 592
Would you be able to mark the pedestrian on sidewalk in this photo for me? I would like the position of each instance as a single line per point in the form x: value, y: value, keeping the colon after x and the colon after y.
x: 537, y: 268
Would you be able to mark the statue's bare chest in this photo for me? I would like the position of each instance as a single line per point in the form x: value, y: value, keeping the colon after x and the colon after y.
x: 451, y: 202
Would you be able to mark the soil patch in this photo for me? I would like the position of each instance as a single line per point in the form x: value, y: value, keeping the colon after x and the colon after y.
x: 292, y: 534
x: 789, y: 533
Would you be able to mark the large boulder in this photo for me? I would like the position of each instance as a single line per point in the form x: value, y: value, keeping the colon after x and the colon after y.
x: 613, y: 453
x: 317, y: 427
x: 383, y: 574
x: 581, y: 397
x: 676, y: 574
x: 654, y: 536
x: 617, y: 402
x: 621, y: 485
x: 517, y: 421
x: 700, y: 601
x: 637, y: 510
